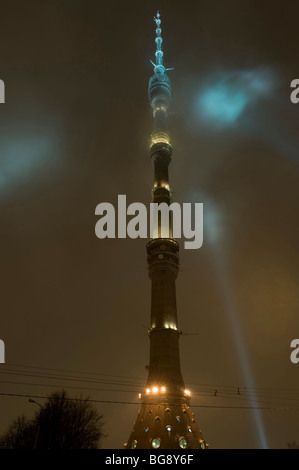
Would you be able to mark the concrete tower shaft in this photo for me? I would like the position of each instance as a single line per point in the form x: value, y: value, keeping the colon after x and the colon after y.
x: 165, y: 419
x: 164, y: 367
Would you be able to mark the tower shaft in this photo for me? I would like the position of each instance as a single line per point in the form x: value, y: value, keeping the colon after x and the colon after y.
x: 165, y: 419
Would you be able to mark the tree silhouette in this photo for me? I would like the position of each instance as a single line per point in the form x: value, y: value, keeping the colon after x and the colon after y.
x: 62, y: 423
x: 20, y: 434
x: 293, y: 445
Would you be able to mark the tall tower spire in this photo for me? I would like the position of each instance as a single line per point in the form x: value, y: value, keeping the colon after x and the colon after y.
x: 159, y: 52
x: 165, y: 419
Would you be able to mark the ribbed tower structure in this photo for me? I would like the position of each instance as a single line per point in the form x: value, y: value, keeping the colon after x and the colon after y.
x: 165, y: 419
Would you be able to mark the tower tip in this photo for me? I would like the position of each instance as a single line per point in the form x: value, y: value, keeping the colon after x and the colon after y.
x: 157, y: 18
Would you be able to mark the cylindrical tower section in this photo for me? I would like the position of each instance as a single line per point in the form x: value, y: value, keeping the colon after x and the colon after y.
x: 164, y: 367
x: 163, y: 262
x: 160, y: 154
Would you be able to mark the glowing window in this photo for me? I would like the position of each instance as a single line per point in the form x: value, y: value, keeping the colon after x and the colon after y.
x: 156, y: 443
x: 183, y: 443
x: 146, y: 429
x: 134, y: 444
x: 189, y: 429
x: 168, y: 428
x: 203, y: 445
x: 178, y: 419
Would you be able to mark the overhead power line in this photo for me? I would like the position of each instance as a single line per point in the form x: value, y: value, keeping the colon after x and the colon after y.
x: 163, y: 404
x: 256, y: 396
x: 227, y: 388
x: 205, y: 394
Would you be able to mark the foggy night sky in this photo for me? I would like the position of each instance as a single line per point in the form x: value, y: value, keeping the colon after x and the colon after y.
x: 74, y: 132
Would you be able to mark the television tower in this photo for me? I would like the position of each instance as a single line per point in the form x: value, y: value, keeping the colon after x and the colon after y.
x: 165, y: 419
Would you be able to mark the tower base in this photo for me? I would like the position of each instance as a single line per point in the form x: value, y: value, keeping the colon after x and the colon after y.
x: 165, y: 426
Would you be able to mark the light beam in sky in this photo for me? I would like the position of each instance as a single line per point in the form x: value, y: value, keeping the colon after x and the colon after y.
x: 213, y: 224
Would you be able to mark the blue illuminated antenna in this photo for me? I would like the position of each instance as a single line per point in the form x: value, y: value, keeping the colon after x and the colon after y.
x: 158, y: 66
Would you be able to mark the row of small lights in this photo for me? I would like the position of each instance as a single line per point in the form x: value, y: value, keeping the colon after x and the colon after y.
x: 155, y: 390
x: 170, y: 325
x: 167, y: 325
x: 163, y: 390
